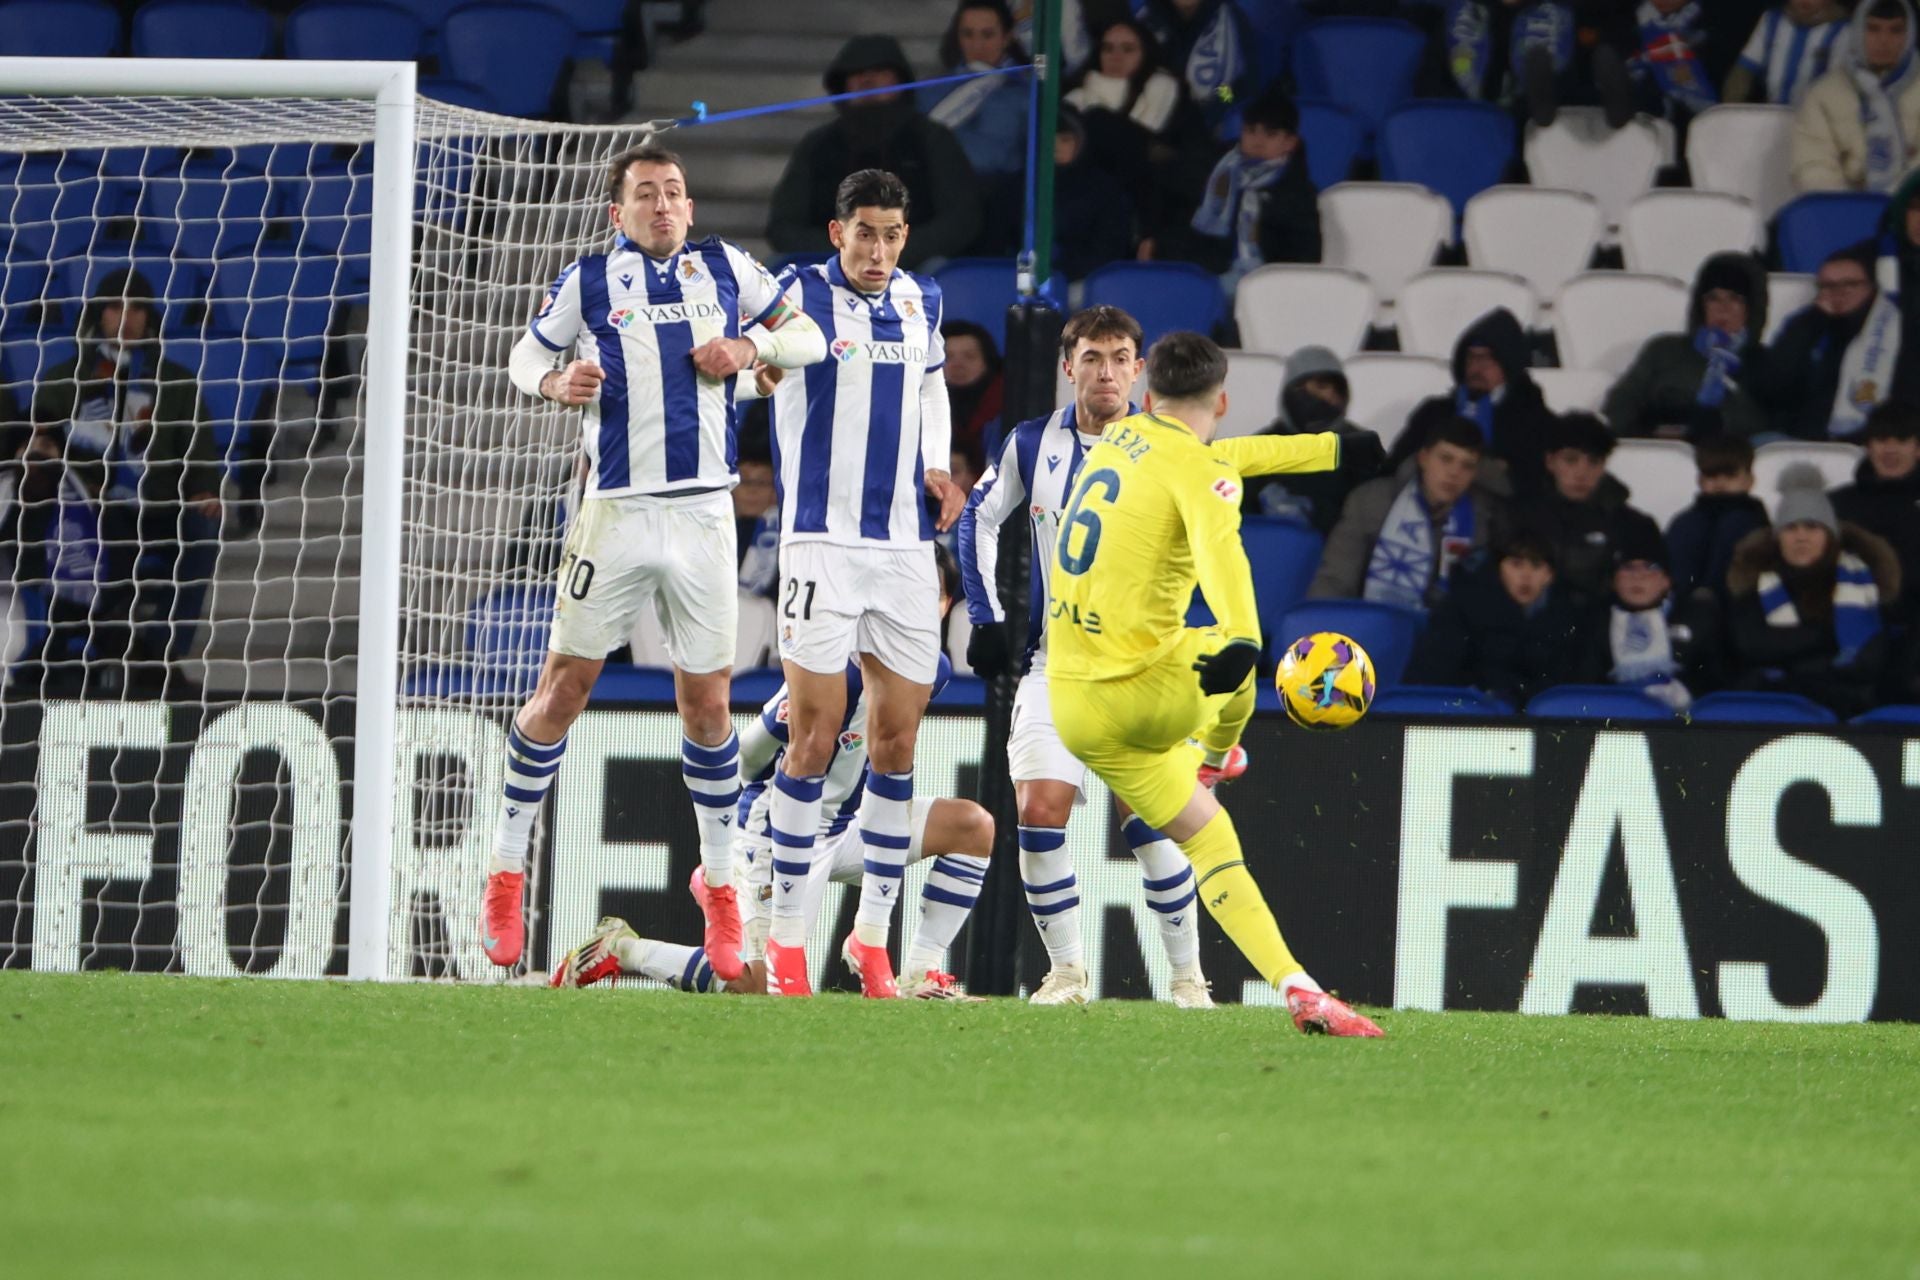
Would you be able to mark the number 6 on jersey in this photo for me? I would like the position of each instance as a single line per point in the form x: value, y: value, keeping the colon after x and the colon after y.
x: 1107, y: 479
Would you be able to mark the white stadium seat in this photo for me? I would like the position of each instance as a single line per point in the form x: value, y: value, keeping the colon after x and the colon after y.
x: 1834, y: 460
x: 1578, y: 152
x: 1670, y: 233
x: 1254, y: 379
x: 1787, y: 292
x: 1544, y: 236
x: 1659, y: 474
x: 1744, y: 150
x: 1438, y: 304
x: 1603, y: 318
x: 1569, y: 389
x: 1281, y: 308
x: 1386, y: 387
x: 1384, y: 230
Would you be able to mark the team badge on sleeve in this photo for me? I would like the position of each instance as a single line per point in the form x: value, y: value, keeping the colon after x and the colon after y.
x: 1226, y: 489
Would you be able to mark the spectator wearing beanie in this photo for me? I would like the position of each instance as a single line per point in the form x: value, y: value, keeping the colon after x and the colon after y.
x: 1792, y: 46
x: 1694, y: 384
x: 1701, y: 539
x: 1832, y: 361
x: 1645, y: 636
x: 1806, y: 600
x: 1584, y: 511
x: 1314, y: 398
x: 1858, y: 127
x: 1884, y: 498
x: 1092, y: 212
x: 1493, y: 390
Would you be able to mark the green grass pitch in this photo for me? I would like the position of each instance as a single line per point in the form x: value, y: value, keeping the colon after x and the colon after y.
x: 175, y: 1127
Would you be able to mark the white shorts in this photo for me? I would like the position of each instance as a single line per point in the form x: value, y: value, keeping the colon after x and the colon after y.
x: 677, y: 553
x: 836, y: 602
x: 839, y: 859
x: 1034, y: 750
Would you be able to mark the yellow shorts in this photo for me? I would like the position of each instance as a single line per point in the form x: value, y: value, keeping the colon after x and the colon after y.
x: 1134, y: 732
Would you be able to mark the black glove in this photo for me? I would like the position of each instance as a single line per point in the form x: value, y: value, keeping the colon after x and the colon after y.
x: 988, y: 652
x: 1227, y: 670
x: 1362, y: 454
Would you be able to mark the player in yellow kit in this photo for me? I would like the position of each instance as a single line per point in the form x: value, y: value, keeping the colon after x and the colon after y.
x: 1157, y: 510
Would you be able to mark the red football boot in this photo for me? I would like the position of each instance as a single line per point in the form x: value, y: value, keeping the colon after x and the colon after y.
x: 503, y: 927
x: 721, y: 906
x: 873, y: 967
x: 1212, y: 775
x: 1319, y: 1014
x: 786, y: 971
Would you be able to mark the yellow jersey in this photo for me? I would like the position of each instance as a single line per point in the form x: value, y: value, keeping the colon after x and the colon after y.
x: 1156, y: 510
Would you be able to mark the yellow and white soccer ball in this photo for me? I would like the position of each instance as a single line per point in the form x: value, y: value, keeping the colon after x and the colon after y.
x: 1325, y: 681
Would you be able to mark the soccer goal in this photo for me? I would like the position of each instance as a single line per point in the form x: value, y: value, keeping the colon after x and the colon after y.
x: 281, y: 531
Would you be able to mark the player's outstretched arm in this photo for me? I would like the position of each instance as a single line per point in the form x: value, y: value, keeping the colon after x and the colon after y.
x: 1277, y: 455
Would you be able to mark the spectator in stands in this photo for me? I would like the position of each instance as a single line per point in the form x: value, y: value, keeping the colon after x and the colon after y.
x: 1884, y: 498
x: 1792, y: 46
x: 1669, y: 77
x: 1648, y: 636
x: 1314, y: 398
x: 1077, y: 29
x: 1696, y: 384
x: 1806, y: 598
x: 1493, y: 390
x: 1400, y: 536
x: 1209, y: 43
x: 880, y: 132
x: 1141, y: 127
x: 988, y: 115
x: 1898, y: 270
x: 1701, y: 539
x: 1584, y: 512
x: 1850, y: 333
x: 976, y: 385
x: 1858, y: 127
x: 756, y: 518
x: 1527, y: 53
x: 1092, y: 210
x: 1508, y: 627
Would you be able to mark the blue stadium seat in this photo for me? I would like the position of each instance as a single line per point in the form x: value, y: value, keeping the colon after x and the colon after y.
x: 507, y: 636
x: 752, y: 688
x: 1438, y: 700
x: 1366, y: 65
x: 597, y: 23
x: 1335, y: 138
x: 963, y: 691
x: 202, y: 29
x: 277, y: 298
x: 237, y: 378
x: 979, y: 290
x: 1274, y: 24
x: 516, y: 51
x: 436, y: 680
x: 634, y: 684
x: 1385, y: 631
x: 1458, y: 149
x: 432, y: 14
x: 59, y: 29
x: 1596, y: 702
x: 355, y: 30
x: 24, y: 361
x: 1162, y: 296
x: 1897, y: 713
x: 1816, y: 224
x: 1733, y: 707
x: 214, y: 208
x: 54, y: 205
x: 458, y: 93
x: 1284, y: 556
x: 23, y: 284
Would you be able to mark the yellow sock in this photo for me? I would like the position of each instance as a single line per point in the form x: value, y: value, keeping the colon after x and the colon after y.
x: 1224, y: 884
x: 1225, y: 730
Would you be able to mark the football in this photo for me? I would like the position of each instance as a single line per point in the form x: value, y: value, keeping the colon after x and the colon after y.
x: 1325, y: 681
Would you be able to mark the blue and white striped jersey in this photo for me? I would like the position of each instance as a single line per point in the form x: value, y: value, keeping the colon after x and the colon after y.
x: 1789, y: 57
x: 854, y: 435
x: 659, y: 426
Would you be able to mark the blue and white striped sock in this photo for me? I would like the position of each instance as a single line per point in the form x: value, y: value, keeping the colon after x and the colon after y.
x: 712, y: 775
x: 886, y: 831
x: 953, y: 886
x: 793, y: 819
x: 1167, y: 877
x: 1053, y: 892
x: 530, y: 769
x: 683, y: 968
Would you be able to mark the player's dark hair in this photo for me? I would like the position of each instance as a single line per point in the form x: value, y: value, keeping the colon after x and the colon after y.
x: 1723, y: 455
x: 1582, y: 431
x: 950, y: 43
x: 646, y: 153
x: 1893, y: 420
x: 1273, y: 110
x: 949, y: 571
x: 1462, y: 433
x: 1186, y: 366
x: 1094, y: 323
x: 869, y: 189
x: 1888, y: 9
x: 1528, y: 544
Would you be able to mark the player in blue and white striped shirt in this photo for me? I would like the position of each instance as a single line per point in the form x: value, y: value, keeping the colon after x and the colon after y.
x: 661, y: 328
x: 860, y: 443
x: 1791, y: 46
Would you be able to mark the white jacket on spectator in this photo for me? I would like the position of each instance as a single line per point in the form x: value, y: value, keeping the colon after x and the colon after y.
x: 1830, y: 135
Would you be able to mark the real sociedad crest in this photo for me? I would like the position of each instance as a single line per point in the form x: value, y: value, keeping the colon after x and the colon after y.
x: 689, y: 270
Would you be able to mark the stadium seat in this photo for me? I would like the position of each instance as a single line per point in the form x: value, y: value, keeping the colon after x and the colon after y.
x: 754, y: 687
x: 517, y: 51
x: 1366, y: 65
x: 962, y: 691
x: 51, y: 205
x: 1569, y: 389
x: 1743, y: 150
x: 1660, y: 475
x: 1437, y: 306
x: 1284, y: 556
x: 507, y: 637
x: 1733, y: 707
x: 332, y: 213
x: 432, y: 14
x: 1786, y: 294
x: 979, y: 290
x: 1254, y: 380
x: 202, y: 29
x: 1579, y: 152
x: 280, y: 299
x: 1274, y: 23
x: 23, y: 284
x: 1835, y: 460
x: 1385, y: 631
x: 1902, y: 713
x: 1334, y: 138
x: 1604, y: 702
x: 1820, y: 222
x: 1438, y: 700
x: 1458, y: 149
x: 1282, y: 307
x: 458, y: 93
x: 1162, y: 296
x: 1602, y: 318
x: 1386, y: 387
x: 1384, y: 230
x: 1545, y: 237
x: 622, y: 683
x: 1670, y: 233
x: 211, y: 209
x: 59, y: 29
x: 354, y: 30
